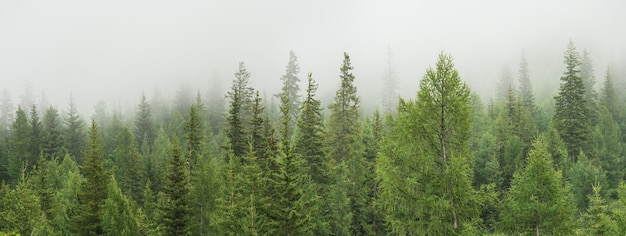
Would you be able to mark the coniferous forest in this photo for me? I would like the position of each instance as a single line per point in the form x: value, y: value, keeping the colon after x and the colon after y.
x: 442, y: 162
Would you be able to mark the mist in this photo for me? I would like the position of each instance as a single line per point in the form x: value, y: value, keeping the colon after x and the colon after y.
x: 113, y: 51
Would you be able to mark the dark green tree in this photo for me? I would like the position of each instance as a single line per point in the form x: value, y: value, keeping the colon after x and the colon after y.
x: 176, y: 189
x: 571, y: 109
x: 240, y: 100
x: 74, y: 133
x: 93, y: 191
x: 36, y: 133
x: 144, y: 126
x: 309, y: 135
x: 19, y: 145
x: 345, y: 145
x: 194, y: 137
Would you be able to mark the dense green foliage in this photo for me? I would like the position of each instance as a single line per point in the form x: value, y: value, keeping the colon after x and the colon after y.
x: 442, y: 163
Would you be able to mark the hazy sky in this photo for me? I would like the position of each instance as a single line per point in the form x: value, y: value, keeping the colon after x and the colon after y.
x: 114, y: 50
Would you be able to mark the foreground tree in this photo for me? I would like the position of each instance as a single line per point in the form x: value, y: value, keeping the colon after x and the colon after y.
x: 571, y: 109
x: 239, y: 112
x: 93, y: 191
x: 176, y: 189
x: 538, y: 202
x: 424, y: 167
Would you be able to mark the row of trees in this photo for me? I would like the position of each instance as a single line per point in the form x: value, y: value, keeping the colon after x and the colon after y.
x: 440, y: 164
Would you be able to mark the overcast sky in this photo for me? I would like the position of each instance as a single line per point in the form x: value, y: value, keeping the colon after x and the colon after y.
x: 114, y: 50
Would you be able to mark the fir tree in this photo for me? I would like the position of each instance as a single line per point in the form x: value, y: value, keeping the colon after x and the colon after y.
x: 240, y: 97
x: 291, y: 88
x: 144, y: 130
x: 537, y: 202
x: 51, y: 135
x: 93, y: 191
x: 525, y: 85
x: 193, y: 137
x: 36, y: 134
x: 571, y: 109
x: 19, y: 145
x: 73, y: 133
x: 176, y: 189
x: 608, y: 98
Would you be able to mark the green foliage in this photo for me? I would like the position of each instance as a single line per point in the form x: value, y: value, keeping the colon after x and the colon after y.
x: 290, y: 89
x: 93, y: 191
x: 582, y: 176
x: 571, y: 108
x: 20, y: 208
x: 240, y: 104
x: 597, y: 219
x: 309, y: 139
x: 176, y: 189
x: 144, y: 127
x: 425, y: 170
x: 538, y: 202
x: 193, y: 137
x: 74, y: 133
x: 118, y: 216
x: 52, y: 143
x: 19, y: 145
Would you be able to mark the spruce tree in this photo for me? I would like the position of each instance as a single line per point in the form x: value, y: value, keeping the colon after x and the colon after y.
x: 538, y: 202
x: 193, y: 137
x: 425, y: 160
x: 93, y: 191
x: 239, y: 112
x: 309, y: 136
x: 608, y: 97
x: 345, y: 145
x: 291, y: 89
x: 19, y: 145
x: 36, y: 134
x: 144, y: 127
x: 74, y: 133
x: 52, y: 143
x: 176, y: 189
x: 525, y: 85
x: 571, y: 109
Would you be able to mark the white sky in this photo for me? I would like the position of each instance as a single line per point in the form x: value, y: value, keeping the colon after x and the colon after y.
x: 114, y: 50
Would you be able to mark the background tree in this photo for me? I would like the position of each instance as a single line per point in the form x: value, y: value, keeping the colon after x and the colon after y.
x: 19, y: 145
x: 239, y: 112
x: 571, y: 109
x: 52, y: 144
x: 390, y: 95
x: 291, y: 89
x: 144, y: 126
x: 36, y: 133
x: 73, y: 132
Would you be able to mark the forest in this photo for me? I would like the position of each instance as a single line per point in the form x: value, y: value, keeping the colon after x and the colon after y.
x: 444, y: 162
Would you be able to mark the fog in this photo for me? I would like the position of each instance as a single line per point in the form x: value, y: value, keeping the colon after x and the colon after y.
x: 115, y: 50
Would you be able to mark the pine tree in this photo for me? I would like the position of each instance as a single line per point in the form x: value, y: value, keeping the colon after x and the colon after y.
x: 176, y: 189
x: 144, y: 130
x: 36, y: 134
x: 345, y: 144
x: 504, y: 83
x: 240, y: 98
x: 608, y: 98
x: 571, y: 109
x: 20, y: 208
x: 291, y: 89
x: 93, y: 191
x: 51, y: 135
x: 424, y: 167
x: 296, y: 196
x: 587, y: 74
x: 19, y: 145
x: 309, y: 140
x: 193, y: 137
x: 538, y: 202
x: 73, y: 133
